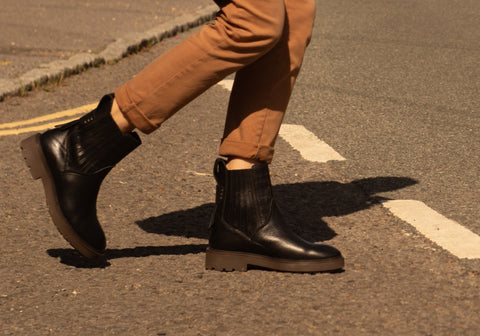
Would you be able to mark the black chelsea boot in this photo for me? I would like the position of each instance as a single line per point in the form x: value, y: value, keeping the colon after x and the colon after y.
x: 72, y: 160
x: 247, y: 228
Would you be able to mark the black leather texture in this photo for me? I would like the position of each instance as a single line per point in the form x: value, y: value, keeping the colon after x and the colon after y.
x: 247, y: 219
x: 79, y: 156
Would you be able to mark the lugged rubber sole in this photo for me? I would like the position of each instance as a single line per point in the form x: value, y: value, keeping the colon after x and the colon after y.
x: 39, y: 169
x: 220, y: 260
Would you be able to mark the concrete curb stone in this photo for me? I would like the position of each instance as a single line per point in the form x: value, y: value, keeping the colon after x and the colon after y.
x: 115, y: 51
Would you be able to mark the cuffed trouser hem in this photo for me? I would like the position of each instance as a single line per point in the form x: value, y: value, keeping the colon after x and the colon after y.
x: 132, y: 112
x: 246, y: 151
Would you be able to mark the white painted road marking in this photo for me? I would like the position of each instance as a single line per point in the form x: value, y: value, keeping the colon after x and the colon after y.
x: 310, y: 147
x: 226, y: 84
x: 445, y: 232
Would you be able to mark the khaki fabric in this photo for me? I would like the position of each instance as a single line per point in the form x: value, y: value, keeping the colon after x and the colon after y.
x: 263, y: 42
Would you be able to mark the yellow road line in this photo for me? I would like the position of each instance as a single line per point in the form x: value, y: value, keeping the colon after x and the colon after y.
x: 18, y: 127
x: 37, y: 128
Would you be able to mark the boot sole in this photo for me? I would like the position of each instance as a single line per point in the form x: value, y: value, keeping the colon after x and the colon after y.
x: 39, y: 169
x: 220, y: 260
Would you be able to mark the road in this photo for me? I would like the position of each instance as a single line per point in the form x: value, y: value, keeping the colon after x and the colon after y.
x: 391, y: 87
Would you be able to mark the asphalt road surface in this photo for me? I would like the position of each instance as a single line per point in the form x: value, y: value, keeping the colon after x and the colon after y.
x: 34, y: 33
x: 392, y: 87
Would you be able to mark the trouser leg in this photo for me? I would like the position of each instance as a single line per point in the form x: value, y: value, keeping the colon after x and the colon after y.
x: 243, y: 31
x: 262, y: 89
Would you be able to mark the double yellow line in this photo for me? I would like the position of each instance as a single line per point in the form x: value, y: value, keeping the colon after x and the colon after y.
x: 44, y: 122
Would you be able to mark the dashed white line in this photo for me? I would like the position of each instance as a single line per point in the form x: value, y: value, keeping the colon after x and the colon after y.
x: 226, y: 84
x: 310, y: 147
x: 445, y: 232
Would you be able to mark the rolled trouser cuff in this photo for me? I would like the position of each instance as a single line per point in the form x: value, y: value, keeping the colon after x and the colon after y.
x: 248, y: 151
x: 132, y: 112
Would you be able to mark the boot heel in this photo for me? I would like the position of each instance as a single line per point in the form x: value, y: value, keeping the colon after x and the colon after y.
x: 224, y: 261
x: 32, y: 153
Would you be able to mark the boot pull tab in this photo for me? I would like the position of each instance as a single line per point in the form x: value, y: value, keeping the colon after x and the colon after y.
x: 219, y: 171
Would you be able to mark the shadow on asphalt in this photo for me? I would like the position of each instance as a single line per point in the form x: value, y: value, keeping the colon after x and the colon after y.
x: 304, y: 205
x: 73, y: 258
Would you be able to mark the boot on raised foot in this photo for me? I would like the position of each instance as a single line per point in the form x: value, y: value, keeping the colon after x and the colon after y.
x: 72, y: 160
x: 248, y: 229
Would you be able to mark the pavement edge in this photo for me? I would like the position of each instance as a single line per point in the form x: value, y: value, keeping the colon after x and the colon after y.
x: 120, y: 48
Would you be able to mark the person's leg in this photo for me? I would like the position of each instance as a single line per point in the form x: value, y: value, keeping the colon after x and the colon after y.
x: 148, y: 99
x: 247, y: 227
x: 72, y: 160
x: 262, y: 90
x: 243, y: 31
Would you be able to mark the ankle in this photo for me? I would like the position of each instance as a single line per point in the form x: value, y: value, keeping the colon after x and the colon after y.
x: 122, y: 123
x: 235, y: 163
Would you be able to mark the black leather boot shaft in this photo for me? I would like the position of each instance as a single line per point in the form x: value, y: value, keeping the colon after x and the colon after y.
x: 92, y: 143
x: 248, y: 198
x: 72, y: 160
x: 247, y: 227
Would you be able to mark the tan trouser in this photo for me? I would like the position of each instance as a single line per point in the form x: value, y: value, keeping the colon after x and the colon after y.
x: 262, y: 40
